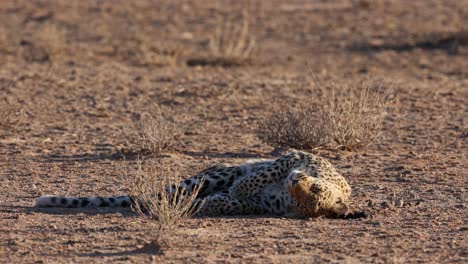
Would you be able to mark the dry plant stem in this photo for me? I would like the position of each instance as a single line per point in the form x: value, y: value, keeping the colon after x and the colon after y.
x: 155, y: 133
x: 354, y: 117
x: 349, y: 118
x: 157, y: 198
x: 295, y: 128
x: 53, y: 40
x: 10, y: 115
x: 233, y: 42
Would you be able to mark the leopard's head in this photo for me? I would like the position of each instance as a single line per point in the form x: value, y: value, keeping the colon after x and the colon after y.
x: 316, y: 196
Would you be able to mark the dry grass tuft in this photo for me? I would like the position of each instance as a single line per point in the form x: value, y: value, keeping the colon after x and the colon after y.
x: 354, y: 117
x: 232, y: 43
x: 156, y: 53
x: 7, y: 42
x: 295, y: 128
x: 154, y: 132
x: 349, y: 118
x: 10, y: 115
x: 47, y: 44
x: 157, y: 198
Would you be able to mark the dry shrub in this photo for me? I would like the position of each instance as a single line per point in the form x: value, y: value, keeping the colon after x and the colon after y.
x: 136, y: 45
x: 232, y: 43
x: 7, y: 42
x: 11, y: 30
x: 154, y: 132
x: 10, y: 115
x: 48, y: 43
x: 354, y: 117
x: 157, y: 198
x: 295, y: 128
x: 349, y: 118
x: 157, y: 53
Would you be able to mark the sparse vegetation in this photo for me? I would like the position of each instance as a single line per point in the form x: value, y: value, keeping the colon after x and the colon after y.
x: 232, y: 43
x: 10, y: 115
x: 6, y: 41
x: 297, y: 128
x: 157, y: 53
x: 157, y: 198
x: 47, y: 44
x: 351, y: 118
x: 154, y: 132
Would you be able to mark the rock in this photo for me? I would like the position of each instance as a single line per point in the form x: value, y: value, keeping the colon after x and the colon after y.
x: 399, y: 203
x: 386, y: 204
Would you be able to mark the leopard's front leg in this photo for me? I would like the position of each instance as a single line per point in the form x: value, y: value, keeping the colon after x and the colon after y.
x: 223, y: 204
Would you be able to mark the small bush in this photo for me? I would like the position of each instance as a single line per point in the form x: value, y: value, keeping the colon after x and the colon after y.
x: 157, y: 198
x: 232, y: 43
x: 350, y: 118
x: 354, y: 117
x: 158, y: 53
x: 47, y: 44
x: 295, y: 128
x: 155, y: 132
x: 10, y: 115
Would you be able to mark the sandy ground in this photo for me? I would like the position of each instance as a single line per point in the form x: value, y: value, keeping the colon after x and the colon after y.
x: 82, y: 79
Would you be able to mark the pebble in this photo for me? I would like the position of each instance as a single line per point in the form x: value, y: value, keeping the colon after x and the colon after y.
x: 386, y: 204
x: 399, y: 203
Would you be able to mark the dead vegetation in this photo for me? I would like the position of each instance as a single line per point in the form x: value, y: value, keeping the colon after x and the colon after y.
x: 154, y: 132
x: 10, y: 115
x: 349, y: 117
x: 156, y: 197
x: 47, y: 43
x: 142, y: 50
x: 354, y: 116
x: 135, y: 45
x: 297, y: 128
x: 158, y: 53
x: 232, y: 43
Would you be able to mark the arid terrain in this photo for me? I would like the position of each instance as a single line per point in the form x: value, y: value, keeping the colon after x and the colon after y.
x: 82, y: 72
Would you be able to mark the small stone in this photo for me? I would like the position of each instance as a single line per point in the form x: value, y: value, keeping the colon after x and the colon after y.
x: 386, y: 204
x: 399, y: 203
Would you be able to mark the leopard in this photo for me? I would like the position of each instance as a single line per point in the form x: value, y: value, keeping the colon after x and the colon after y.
x: 297, y: 183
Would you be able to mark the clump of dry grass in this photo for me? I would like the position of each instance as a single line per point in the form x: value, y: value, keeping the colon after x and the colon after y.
x: 7, y: 43
x: 157, y: 53
x: 232, y: 43
x: 354, y: 117
x: 154, y: 132
x: 156, y: 197
x: 136, y: 45
x: 349, y: 118
x: 47, y: 44
x: 295, y: 128
x: 10, y: 115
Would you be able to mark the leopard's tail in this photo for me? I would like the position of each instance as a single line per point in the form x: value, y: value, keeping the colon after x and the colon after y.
x: 74, y: 202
